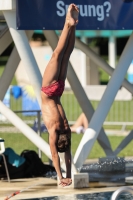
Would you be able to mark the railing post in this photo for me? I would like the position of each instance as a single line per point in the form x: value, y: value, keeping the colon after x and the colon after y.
x: 121, y: 190
x: 39, y: 130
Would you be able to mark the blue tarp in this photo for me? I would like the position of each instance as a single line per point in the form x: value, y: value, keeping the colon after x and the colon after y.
x: 13, y: 158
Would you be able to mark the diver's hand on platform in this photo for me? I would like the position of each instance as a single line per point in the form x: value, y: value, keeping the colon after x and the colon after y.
x: 65, y: 182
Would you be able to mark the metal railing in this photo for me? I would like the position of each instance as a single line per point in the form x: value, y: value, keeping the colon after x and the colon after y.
x: 28, y: 121
x: 120, y: 114
x: 121, y: 190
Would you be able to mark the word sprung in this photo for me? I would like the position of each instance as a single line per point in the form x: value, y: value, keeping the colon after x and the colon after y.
x: 98, y: 11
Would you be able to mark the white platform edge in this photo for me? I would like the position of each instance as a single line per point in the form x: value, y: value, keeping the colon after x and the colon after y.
x: 7, y: 4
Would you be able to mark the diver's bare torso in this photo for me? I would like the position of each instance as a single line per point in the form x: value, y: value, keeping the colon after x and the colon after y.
x: 53, y: 114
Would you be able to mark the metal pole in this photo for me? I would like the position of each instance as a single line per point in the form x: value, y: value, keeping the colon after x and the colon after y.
x: 124, y: 143
x: 8, y: 73
x: 5, y: 40
x: 25, y: 52
x: 112, y: 50
x: 100, y: 62
x: 83, y: 66
x: 100, y: 114
x: 39, y: 130
x: 10, y: 69
x: 7, y: 173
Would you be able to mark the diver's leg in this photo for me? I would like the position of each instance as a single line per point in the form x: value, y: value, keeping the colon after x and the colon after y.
x: 52, y: 70
x: 67, y: 53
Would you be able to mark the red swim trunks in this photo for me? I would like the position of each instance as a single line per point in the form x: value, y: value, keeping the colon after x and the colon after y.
x: 55, y: 89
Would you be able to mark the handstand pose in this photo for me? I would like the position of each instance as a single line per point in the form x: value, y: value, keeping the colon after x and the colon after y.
x: 52, y: 88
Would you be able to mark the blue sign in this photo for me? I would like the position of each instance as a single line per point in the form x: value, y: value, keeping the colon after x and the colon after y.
x: 93, y: 14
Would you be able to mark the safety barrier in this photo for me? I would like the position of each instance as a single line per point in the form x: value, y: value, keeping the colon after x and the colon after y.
x: 120, y: 114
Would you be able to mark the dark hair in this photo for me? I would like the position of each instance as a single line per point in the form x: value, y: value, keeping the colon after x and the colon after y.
x: 63, y: 143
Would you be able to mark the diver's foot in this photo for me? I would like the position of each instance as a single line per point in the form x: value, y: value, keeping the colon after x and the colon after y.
x: 72, y: 15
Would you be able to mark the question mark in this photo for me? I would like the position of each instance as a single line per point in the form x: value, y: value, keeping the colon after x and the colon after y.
x: 106, y: 3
